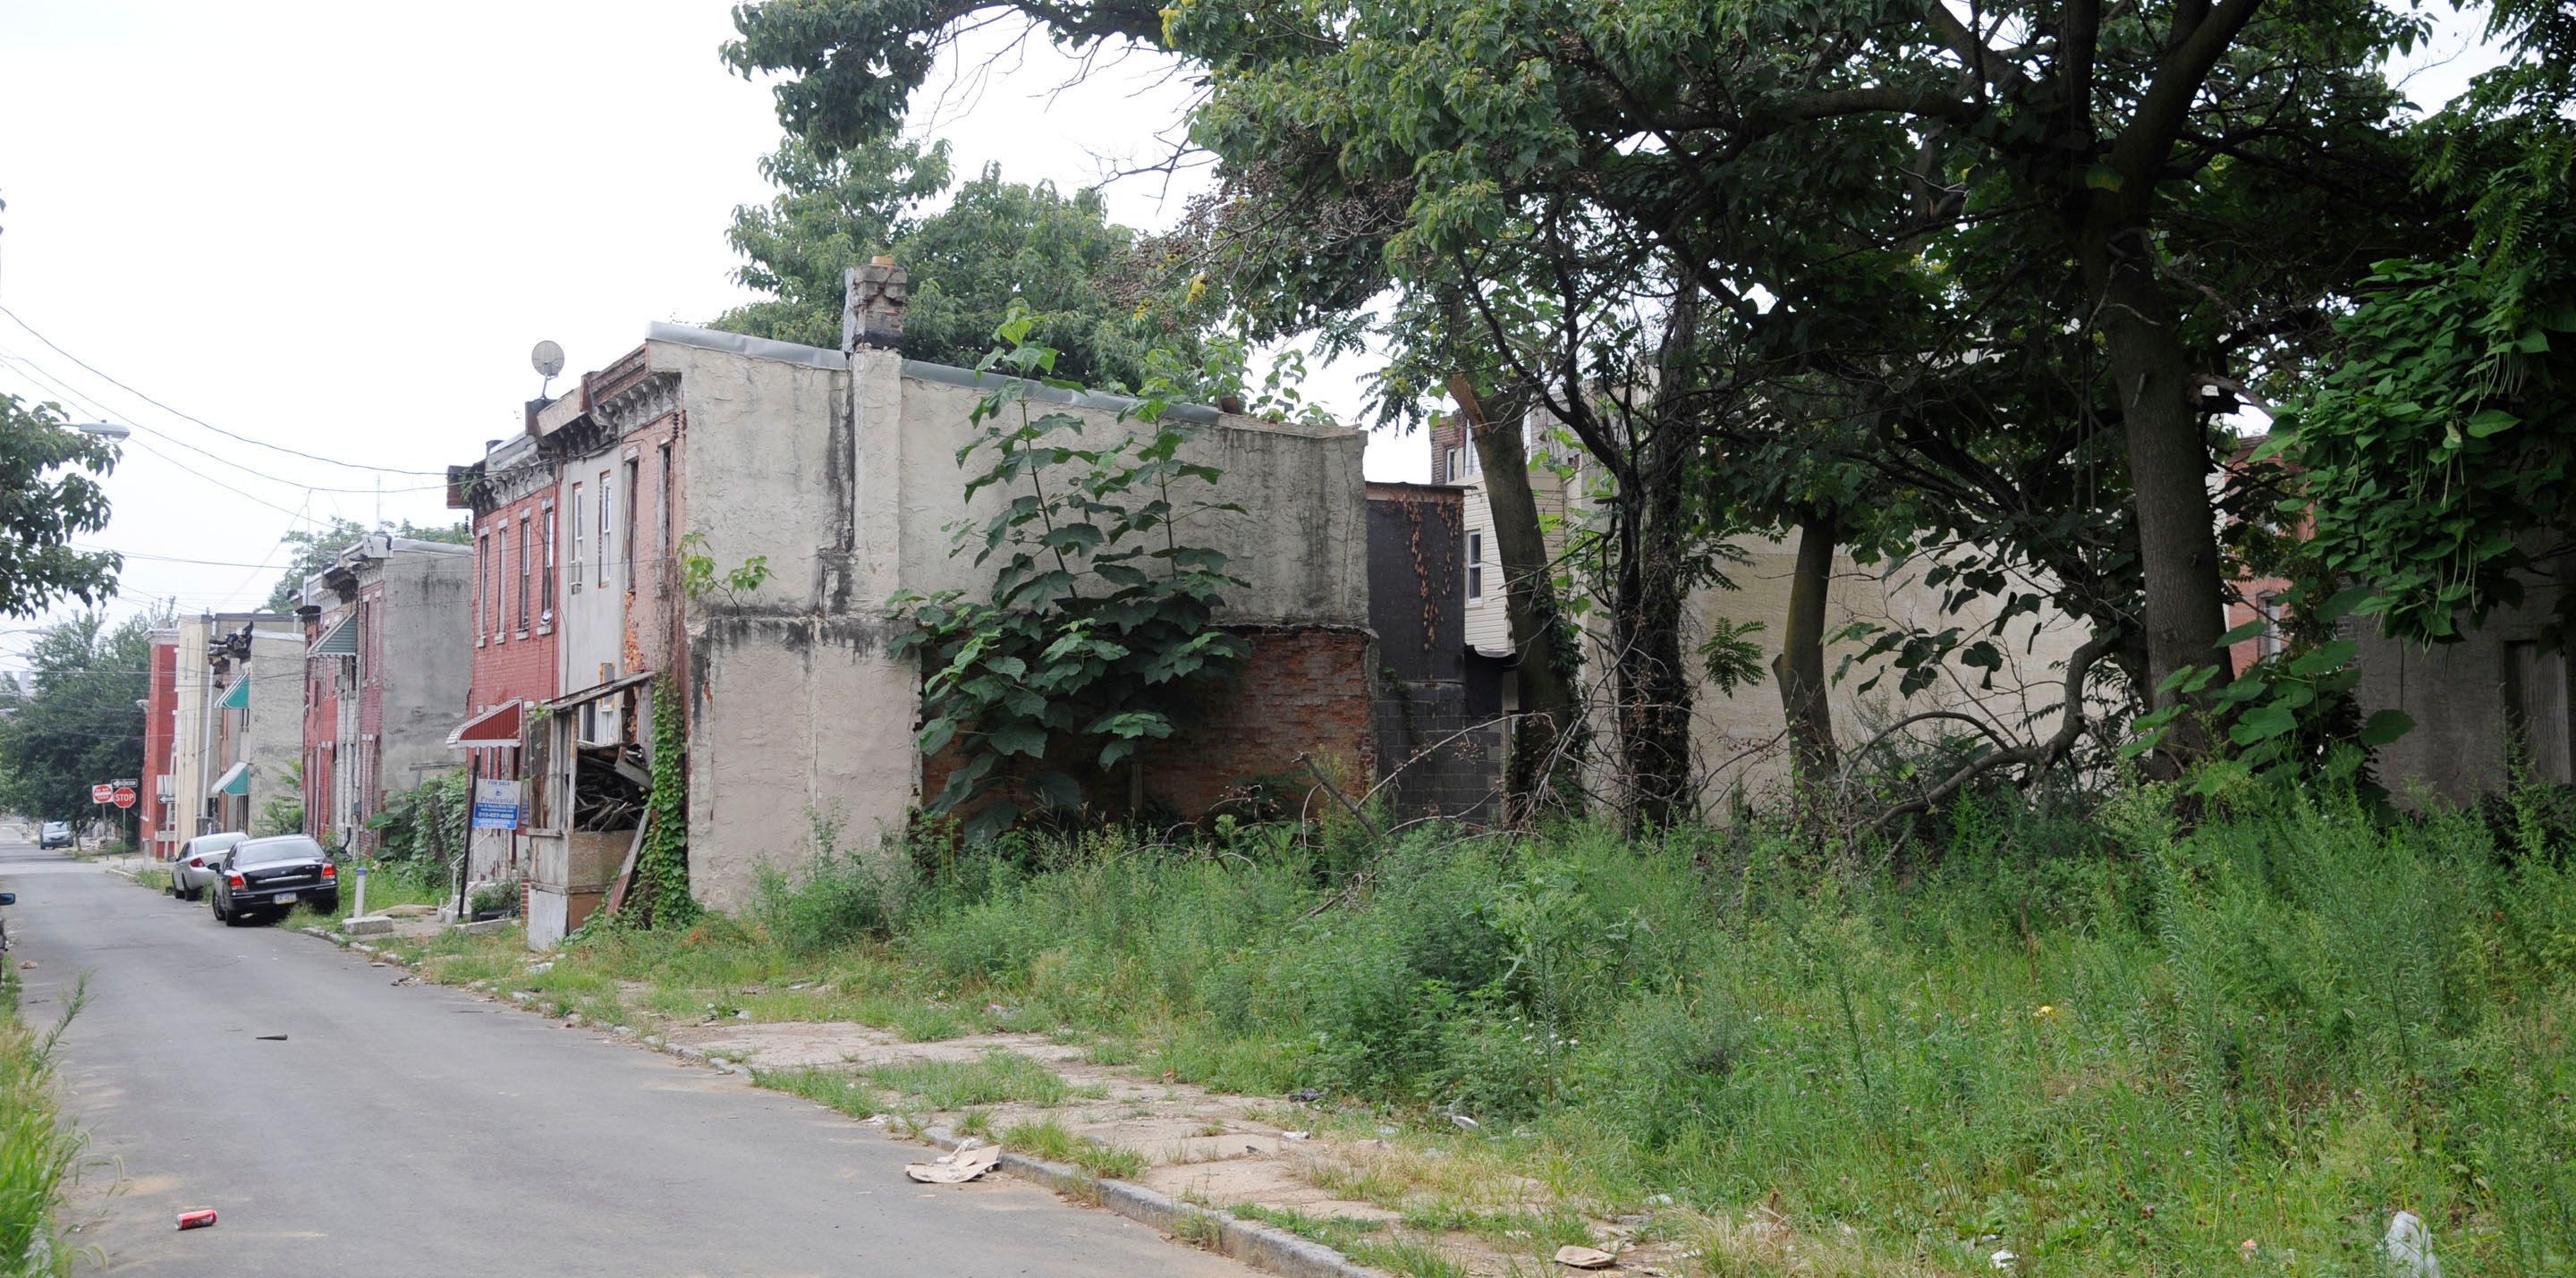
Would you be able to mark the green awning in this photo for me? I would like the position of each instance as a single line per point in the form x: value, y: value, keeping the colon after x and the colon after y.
x: 236, y: 780
x: 236, y: 697
x: 340, y: 641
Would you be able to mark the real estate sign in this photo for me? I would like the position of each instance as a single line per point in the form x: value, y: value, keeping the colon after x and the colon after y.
x: 496, y: 805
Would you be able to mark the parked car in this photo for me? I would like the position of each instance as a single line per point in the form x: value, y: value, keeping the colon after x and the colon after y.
x: 58, y: 834
x: 199, y: 864
x: 268, y: 876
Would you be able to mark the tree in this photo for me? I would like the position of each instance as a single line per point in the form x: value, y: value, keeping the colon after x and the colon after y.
x: 75, y: 722
x: 317, y: 548
x: 49, y: 494
x: 993, y: 242
x: 2042, y: 253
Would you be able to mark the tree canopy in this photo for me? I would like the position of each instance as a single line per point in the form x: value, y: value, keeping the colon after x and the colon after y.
x: 993, y: 241
x: 49, y: 494
x: 74, y: 721
x: 1979, y: 288
x: 316, y: 548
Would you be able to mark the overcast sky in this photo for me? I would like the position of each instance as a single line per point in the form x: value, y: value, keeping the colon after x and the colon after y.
x: 338, y: 228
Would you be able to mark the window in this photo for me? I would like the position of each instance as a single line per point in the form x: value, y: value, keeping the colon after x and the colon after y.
x: 666, y: 499
x: 501, y: 583
x: 580, y: 540
x: 1475, y: 565
x: 526, y: 573
x: 607, y: 504
x: 633, y: 467
x: 546, y: 589
x: 482, y: 586
x: 1449, y: 466
x: 2267, y: 609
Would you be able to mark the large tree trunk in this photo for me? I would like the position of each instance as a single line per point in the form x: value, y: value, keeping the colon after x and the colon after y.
x: 1541, y: 774
x: 2168, y: 467
x: 1649, y: 594
x: 1800, y: 667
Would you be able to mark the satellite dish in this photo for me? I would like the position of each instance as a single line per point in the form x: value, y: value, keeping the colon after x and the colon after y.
x: 548, y: 359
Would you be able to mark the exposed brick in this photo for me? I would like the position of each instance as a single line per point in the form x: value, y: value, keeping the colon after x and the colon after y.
x: 1302, y: 691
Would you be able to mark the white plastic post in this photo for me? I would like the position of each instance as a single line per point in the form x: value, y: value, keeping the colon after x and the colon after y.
x: 361, y: 910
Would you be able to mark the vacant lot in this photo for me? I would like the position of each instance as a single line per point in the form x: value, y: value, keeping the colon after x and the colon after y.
x: 2104, y: 1043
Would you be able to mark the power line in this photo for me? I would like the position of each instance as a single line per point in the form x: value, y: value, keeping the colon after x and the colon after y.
x: 57, y: 384
x: 257, y: 443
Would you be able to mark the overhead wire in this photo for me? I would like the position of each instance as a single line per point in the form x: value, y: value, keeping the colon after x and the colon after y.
x: 54, y: 381
x: 232, y: 435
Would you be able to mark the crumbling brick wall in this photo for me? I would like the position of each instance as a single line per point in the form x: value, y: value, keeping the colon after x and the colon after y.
x: 1303, y: 691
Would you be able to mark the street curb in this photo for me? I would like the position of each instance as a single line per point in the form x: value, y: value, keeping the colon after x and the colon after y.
x: 1262, y: 1246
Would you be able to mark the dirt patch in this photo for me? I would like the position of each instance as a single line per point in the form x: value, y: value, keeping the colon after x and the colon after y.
x: 1335, y: 1175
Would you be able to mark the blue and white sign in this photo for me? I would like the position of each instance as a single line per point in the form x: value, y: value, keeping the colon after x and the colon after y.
x: 496, y: 805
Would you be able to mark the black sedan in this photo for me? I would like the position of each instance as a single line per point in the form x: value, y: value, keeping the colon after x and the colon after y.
x: 266, y: 877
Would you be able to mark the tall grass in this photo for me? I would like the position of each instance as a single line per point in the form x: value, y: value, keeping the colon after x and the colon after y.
x: 2105, y: 1042
x: 39, y: 1154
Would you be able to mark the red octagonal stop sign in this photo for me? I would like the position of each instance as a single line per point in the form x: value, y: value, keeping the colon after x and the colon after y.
x: 125, y: 796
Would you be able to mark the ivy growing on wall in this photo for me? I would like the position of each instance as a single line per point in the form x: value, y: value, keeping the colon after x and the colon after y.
x: 1097, y: 630
x: 660, y: 897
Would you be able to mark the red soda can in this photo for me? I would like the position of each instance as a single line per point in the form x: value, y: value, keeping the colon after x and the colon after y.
x: 197, y: 1219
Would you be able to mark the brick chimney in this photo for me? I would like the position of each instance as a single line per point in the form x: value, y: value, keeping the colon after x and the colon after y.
x: 872, y: 306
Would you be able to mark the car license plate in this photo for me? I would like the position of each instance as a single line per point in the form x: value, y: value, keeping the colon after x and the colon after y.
x: 285, y: 898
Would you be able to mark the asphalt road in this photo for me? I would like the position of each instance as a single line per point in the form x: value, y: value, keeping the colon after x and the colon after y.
x: 417, y: 1130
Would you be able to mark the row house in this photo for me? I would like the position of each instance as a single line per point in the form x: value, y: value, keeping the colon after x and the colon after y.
x: 385, y: 663
x: 158, y: 823
x: 577, y: 549
x: 222, y: 721
x: 517, y: 586
x: 839, y: 467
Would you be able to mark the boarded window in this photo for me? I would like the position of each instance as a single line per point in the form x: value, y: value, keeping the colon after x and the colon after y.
x: 2535, y: 690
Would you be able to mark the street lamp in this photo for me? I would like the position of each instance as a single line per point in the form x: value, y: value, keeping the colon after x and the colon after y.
x: 104, y: 430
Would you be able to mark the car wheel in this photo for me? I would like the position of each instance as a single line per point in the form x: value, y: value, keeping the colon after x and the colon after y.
x: 327, y: 904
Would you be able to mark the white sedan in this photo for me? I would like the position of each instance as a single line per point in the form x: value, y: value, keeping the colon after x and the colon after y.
x: 195, y: 869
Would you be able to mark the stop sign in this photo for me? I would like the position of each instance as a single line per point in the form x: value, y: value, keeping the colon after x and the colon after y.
x: 125, y: 797
x: 102, y: 793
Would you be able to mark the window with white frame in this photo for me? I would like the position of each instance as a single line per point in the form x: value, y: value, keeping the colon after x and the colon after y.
x: 1475, y: 567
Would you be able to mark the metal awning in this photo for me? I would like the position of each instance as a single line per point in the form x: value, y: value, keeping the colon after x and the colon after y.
x: 340, y: 640
x: 236, y: 697
x: 235, y: 780
x: 608, y: 689
x: 498, y: 726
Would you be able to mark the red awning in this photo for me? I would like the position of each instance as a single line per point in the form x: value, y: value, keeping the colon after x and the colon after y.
x: 498, y: 726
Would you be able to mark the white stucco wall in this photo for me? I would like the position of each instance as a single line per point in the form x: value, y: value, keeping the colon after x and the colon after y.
x: 846, y: 478
x: 1735, y: 738
x: 188, y: 779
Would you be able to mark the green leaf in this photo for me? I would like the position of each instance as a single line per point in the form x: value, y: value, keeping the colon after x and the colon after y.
x: 2242, y: 633
x: 2328, y: 656
x: 1055, y: 790
x: 1016, y: 738
x: 2386, y: 726
x: 2262, y: 724
x: 2489, y: 421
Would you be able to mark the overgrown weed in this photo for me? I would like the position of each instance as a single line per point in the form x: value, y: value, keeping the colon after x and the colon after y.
x: 2099, y: 1040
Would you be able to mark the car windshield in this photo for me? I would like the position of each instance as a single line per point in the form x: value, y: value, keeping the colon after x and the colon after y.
x: 210, y: 844
x: 293, y: 847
